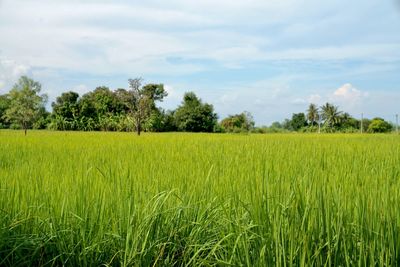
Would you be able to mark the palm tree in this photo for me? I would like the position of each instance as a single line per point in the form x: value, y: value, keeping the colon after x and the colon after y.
x: 312, y: 114
x: 330, y: 115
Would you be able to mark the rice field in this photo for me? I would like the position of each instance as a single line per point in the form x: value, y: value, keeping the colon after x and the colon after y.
x: 174, y: 199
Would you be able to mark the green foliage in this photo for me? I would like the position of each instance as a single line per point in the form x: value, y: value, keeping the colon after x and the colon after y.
x: 43, y: 119
x: 298, y: 121
x: 348, y: 122
x: 160, y: 121
x: 155, y: 92
x: 242, y: 122
x: 313, y: 115
x: 4, y: 105
x: 287, y: 125
x: 15, y: 126
x: 143, y: 101
x: 135, y: 109
x: 66, y: 106
x: 106, y: 110
x: 26, y: 105
x: 379, y: 125
x: 309, y: 129
x: 276, y: 125
x: 365, y: 124
x: 268, y: 130
x: 101, y: 102
x: 330, y: 115
x: 194, y: 116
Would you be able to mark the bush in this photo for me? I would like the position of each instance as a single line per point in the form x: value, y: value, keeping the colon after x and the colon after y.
x: 218, y: 128
x: 309, y: 129
x: 379, y: 125
x: 15, y: 126
x: 41, y: 123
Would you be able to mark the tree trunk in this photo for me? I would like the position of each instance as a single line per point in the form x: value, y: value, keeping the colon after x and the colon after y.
x: 138, y: 128
x: 25, y: 131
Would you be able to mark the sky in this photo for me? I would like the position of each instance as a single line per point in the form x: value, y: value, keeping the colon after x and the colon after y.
x: 271, y: 58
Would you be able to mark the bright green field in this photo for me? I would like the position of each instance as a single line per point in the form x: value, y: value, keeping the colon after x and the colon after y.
x: 91, y: 199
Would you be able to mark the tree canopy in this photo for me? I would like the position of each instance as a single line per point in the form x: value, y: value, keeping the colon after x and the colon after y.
x: 26, y: 103
x: 195, y: 116
x: 142, y: 100
x: 242, y: 122
x: 379, y: 125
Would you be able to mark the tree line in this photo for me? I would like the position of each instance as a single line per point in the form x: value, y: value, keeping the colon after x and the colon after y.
x: 328, y: 119
x: 135, y: 109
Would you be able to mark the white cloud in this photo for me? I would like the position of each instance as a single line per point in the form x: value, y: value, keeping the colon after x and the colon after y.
x: 344, y: 52
x: 227, y: 99
x: 138, y: 36
x: 81, y: 89
x: 347, y: 97
x: 349, y: 94
x: 173, y: 93
x: 299, y: 101
x: 10, y: 71
x: 315, y: 99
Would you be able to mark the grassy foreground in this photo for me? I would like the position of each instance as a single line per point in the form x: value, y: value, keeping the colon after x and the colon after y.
x: 115, y: 199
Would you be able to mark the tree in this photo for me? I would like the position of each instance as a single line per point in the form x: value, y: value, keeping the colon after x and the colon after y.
x: 101, y: 102
x: 104, y: 101
x: 239, y: 122
x: 312, y: 114
x: 43, y: 119
x: 330, y: 115
x: 142, y: 100
x: 287, y: 125
x: 194, y: 116
x: 66, y: 105
x: 25, y: 102
x: 365, y: 124
x: 379, y: 125
x: 347, y: 122
x: 298, y: 121
x: 276, y: 125
x: 124, y: 100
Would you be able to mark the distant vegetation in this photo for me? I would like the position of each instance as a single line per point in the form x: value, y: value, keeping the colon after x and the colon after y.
x: 135, y: 109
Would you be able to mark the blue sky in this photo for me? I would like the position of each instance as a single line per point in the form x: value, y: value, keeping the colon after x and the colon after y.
x: 271, y: 58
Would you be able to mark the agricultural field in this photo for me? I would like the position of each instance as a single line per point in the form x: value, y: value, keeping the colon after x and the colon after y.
x: 179, y: 199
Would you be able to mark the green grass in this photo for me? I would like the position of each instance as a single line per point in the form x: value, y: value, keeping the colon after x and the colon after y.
x: 115, y: 199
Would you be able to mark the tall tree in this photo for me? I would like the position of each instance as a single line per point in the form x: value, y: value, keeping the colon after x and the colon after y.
x: 143, y: 100
x: 98, y: 103
x: 195, y: 116
x: 330, y: 115
x: 66, y: 105
x: 298, y: 121
x: 26, y: 103
x: 312, y: 114
x: 348, y: 122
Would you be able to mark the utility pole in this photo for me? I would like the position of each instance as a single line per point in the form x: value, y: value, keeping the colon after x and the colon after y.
x: 362, y: 118
x: 397, y: 123
x: 319, y: 124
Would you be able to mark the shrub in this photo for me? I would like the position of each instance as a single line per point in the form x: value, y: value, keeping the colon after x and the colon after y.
x: 379, y: 125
